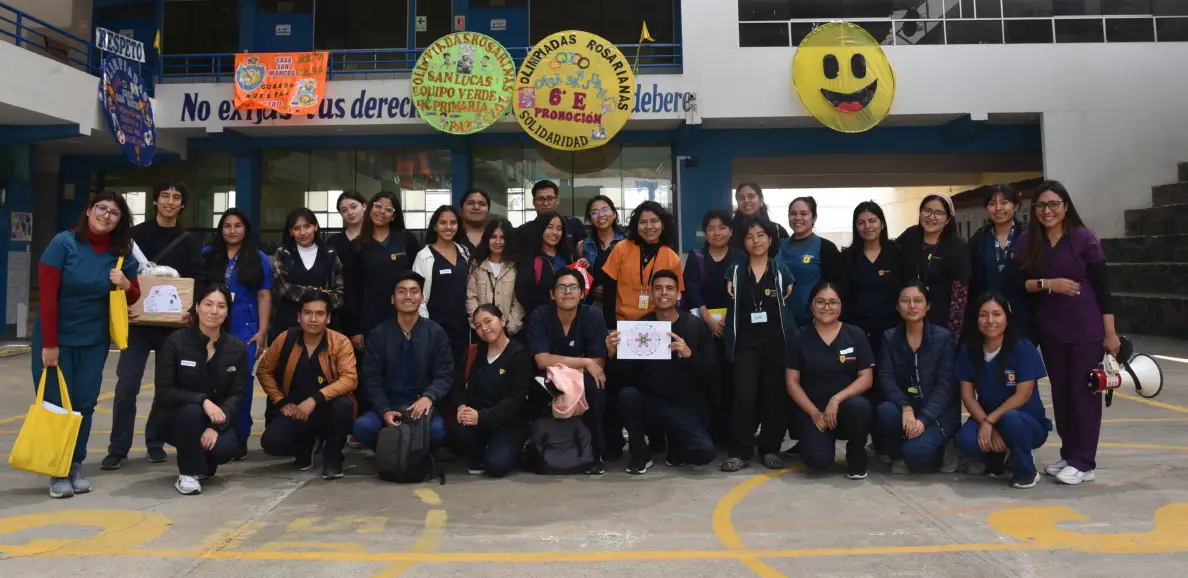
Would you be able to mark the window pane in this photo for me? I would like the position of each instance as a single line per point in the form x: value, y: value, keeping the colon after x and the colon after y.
x: 316, y: 201
x: 1169, y: 7
x: 1171, y: 29
x: 1028, y: 31
x: 413, y: 200
x: 974, y: 32
x: 415, y: 220
x: 920, y: 33
x: 647, y: 171
x: 1068, y: 31
x: 763, y: 10
x: 435, y: 199
x: 1130, y: 30
x: 283, y: 185
x: 774, y: 34
x: 333, y: 221
x: 987, y: 8
x: 1126, y: 6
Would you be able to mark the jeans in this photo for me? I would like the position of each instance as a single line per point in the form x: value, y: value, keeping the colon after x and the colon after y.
x: 922, y: 453
x: 331, y: 421
x: 1022, y: 433
x: 758, y: 389
x: 1076, y: 409
x: 688, y: 439
x: 129, y: 373
x: 853, y: 425
x: 83, y: 369
x: 496, y: 451
x: 184, y: 432
x: 368, y: 426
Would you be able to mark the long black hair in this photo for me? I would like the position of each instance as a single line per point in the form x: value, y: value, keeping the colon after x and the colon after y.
x: 483, y: 250
x: 668, y: 233
x: 121, y: 235
x: 758, y: 191
x: 431, y: 232
x: 618, y: 228
x: 365, y: 239
x: 530, y: 238
x: 874, y: 209
x: 248, y: 268
x: 1036, y: 236
x: 287, y: 239
x: 950, y: 230
x: 975, y: 341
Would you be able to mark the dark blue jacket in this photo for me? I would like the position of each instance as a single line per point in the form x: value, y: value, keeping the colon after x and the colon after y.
x: 433, y: 371
x: 940, y: 401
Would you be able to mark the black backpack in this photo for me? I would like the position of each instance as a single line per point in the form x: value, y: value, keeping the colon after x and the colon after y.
x: 563, y: 446
x: 403, y: 454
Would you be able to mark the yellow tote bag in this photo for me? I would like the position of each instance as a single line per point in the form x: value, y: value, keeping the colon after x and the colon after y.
x: 119, y: 313
x: 46, y: 442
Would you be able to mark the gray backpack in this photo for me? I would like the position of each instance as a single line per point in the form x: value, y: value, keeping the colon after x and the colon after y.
x: 562, y: 445
x: 403, y: 453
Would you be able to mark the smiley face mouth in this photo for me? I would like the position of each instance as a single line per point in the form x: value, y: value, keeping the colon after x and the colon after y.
x: 854, y: 101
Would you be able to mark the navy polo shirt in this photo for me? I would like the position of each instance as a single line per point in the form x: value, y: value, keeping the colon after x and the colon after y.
x: 994, y: 386
x: 586, y: 337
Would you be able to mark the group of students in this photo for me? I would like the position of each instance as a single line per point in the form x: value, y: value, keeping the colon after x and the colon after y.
x: 771, y: 332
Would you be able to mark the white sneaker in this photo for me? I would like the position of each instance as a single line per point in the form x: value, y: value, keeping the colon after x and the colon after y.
x: 1072, y: 476
x: 1056, y: 468
x: 187, y: 485
x: 1025, y: 484
x: 899, y: 467
x: 476, y: 471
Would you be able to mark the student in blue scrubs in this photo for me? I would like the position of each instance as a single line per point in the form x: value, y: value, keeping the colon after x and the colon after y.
x: 78, y: 270
x: 811, y: 258
x: 247, y: 272
x: 998, y: 371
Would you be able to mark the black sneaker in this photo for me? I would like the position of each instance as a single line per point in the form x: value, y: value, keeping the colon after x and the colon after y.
x: 113, y: 462
x: 331, y: 471
x: 303, y: 463
x: 241, y: 454
x: 596, y: 469
x: 155, y: 456
x: 674, y: 462
x: 639, y: 467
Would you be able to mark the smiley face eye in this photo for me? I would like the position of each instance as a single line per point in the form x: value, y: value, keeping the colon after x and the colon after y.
x: 831, y: 66
x: 858, y: 66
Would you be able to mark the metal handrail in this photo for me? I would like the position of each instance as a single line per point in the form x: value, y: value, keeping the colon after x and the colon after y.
x: 348, y: 63
x: 79, y: 52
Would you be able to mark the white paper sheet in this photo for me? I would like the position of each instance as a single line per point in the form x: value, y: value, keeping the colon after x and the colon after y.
x: 644, y: 340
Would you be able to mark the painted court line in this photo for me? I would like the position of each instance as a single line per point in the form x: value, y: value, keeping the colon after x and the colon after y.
x: 724, y: 527
x: 1151, y: 402
x: 1166, y: 358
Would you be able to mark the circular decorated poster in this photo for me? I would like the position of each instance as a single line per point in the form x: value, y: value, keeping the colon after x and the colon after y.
x: 128, y: 109
x: 462, y: 83
x: 574, y: 91
x: 843, y: 77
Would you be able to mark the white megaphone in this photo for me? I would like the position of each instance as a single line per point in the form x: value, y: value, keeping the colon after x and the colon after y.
x: 1139, y: 371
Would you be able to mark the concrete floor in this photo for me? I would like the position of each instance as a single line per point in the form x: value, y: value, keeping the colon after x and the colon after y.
x: 260, y: 518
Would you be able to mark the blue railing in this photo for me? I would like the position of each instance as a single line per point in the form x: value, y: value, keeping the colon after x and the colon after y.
x: 39, y: 36
x: 355, y: 64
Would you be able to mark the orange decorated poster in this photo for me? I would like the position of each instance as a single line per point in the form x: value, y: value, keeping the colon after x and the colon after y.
x: 287, y: 82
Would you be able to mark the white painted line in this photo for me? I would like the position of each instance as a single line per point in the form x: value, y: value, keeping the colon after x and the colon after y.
x: 1178, y: 359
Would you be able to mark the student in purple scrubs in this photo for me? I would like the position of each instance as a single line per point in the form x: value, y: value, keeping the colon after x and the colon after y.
x: 1065, y: 267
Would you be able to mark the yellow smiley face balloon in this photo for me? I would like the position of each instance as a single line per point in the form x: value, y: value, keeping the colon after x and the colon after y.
x: 843, y: 77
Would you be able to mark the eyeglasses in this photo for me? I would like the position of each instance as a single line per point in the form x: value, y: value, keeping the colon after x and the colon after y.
x: 546, y: 200
x: 911, y: 301
x: 1050, y: 206
x: 571, y: 288
x: 938, y: 213
x: 602, y: 211
x: 113, y: 214
x: 385, y: 209
x: 830, y: 304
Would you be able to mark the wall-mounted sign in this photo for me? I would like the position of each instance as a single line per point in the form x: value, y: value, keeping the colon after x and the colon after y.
x: 574, y: 91
x: 498, y: 24
x: 460, y: 23
x: 422, y: 23
x: 843, y: 77
x: 284, y: 29
x: 463, y: 82
x: 118, y: 44
x: 287, y: 82
x: 128, y: 110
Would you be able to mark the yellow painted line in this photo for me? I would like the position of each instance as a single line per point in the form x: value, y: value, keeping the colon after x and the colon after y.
x: 435, y: 522
x: 1145, y: 419
x: 1143, y: 447
x: 1151, y: 402
x: 724, y: 527
x: 102, y: 397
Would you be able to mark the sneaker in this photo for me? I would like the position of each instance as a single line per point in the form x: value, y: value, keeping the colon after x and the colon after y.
x: 1056, y: 468
x: 476, y: 471
x: 639, y: 466
x: 369, y: 454
x: 353, y: 443
x: 950, y: 459
x: 734, y: 464
x: 899, y: 467
x: 861, y: 476
x: 886, y: 459
x: 113, y: 462
x: 673, y: 461
x: 597, y: 468
x: 1025, y: 484
x: 61, y: 488
x: 773, y: 461
x: 241, y: 454
x: 78, y: 480
x: 332, y: 472
x: 303, y: 463
x: 1072, y: 476
x: 155, y: 456
x: 187, y: 485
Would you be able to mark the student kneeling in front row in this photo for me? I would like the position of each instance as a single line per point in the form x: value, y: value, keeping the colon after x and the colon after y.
x: 200, y: 372
x: 669, y: 395
x: 309, y: 375
x: 408, y: 367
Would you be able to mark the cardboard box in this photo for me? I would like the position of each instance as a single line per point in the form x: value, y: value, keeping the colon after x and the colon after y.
x: 163, y: 301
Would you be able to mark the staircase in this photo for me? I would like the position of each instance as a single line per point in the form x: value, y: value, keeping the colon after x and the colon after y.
x: 1149, y: 267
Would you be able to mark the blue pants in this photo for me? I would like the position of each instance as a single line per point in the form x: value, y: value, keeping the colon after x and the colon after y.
x: 923, y: 453
x: 688, y: 438
x: 1022, y: 433
x: 368, y: 426
x: 496, y: 451
x: 82, y: 367
x: 245, y: 333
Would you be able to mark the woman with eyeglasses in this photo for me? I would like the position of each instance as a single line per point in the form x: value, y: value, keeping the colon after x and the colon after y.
x: 922, y: 410
x: 542, y: 254
x: 492, y: 277
x: 383, y: 250
x: 72, y: 332
x: 809, y: 257
x: 1066, y: 269
x: 606, y: 233
x: 748, y: 198
x: 934, y: 254
x: 234, y: 260
x: 352, y: 207
x: 993, y: 250
x: 301, y: 264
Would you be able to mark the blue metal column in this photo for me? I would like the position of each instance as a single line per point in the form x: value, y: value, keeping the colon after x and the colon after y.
x: 459, y: 168
x: 247, y: 25
x: 248, y: 172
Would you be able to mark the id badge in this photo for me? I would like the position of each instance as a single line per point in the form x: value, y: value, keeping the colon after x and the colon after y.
x: 759, y: 317
x: 643, y: 302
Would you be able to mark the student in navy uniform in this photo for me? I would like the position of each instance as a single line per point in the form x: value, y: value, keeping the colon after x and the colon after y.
x: 574, y: 335
x: 922, y: 410
x: 78, y: 271
x: 166, y: 242
x: 604, y: 235
x: 200, y: 372
x: 303, y: 263
x: 668, y: 396
x: 352, y: 207
x: 489, y: 420
x: 993, y: 250
x: 233, y: 260
x: 998, y: 372
x: 383, y: 252
x: 935, y: 254
x: 443, y: 264
x: 748, y: 198
x: 811, y: 258
x: 540, y: 247
x: 829, y: 369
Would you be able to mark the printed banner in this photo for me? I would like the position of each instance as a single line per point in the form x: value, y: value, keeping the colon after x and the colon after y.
x: 128, y: 109
x: 843, y: 77
x: 575, y: 91
x: 463, y: 82
x: 289, y: 83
